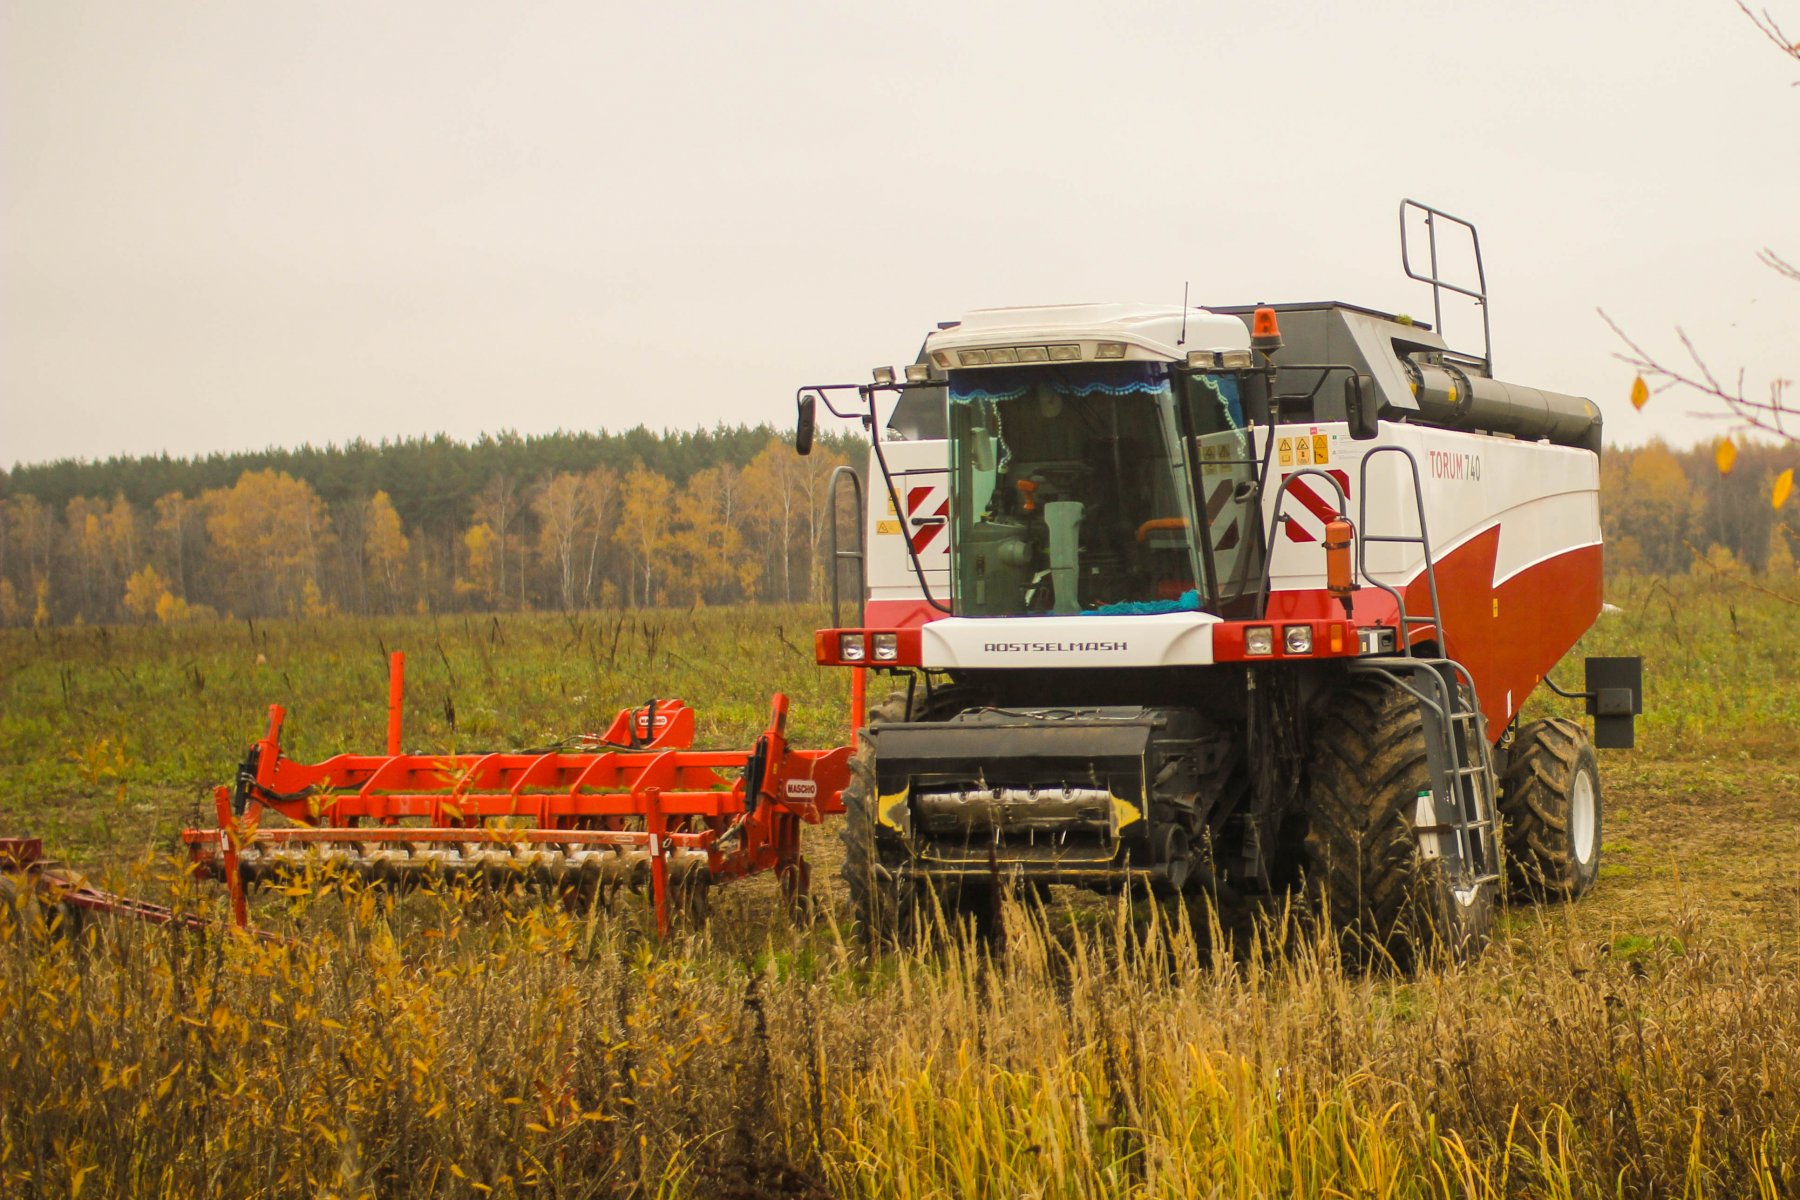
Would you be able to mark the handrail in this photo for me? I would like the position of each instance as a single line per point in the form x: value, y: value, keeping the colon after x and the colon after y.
x: 1422, y: 540
x: 838, y: 555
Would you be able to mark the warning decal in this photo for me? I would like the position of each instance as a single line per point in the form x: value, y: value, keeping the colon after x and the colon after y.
x: 1306, y: 523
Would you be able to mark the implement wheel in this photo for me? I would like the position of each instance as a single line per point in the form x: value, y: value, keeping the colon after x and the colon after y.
x: 1550, y: 799
x: 1385, y: 899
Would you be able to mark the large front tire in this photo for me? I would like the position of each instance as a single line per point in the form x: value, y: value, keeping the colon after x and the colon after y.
x: 889, y: 906
x: 1385, y: 899
x: 1550, y: 798
x: 881, y: 907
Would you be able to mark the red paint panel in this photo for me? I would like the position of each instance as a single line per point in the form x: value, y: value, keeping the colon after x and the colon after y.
x: 1228, y: 641
x: 907, y: 646
x: 1543, y: 611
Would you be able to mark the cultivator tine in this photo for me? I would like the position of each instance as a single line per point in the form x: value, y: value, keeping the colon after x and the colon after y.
x: 634, y: 808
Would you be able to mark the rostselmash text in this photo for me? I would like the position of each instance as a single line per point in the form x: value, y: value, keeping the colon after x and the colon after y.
x: 1052, y: 647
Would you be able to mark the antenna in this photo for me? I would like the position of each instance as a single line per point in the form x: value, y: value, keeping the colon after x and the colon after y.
x: 1182, y: 340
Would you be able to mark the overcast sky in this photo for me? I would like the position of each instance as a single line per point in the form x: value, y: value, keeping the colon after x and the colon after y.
x: 231, y: 225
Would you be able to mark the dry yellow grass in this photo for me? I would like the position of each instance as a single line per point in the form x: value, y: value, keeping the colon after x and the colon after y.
x: 1645, y: 1042
x: 444, y: 1045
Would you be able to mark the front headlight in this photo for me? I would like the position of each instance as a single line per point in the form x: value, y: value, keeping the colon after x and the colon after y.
x: 1297, y: 639
x: 1259, y: 640
x: 852, y: 647
x: 886, y: 646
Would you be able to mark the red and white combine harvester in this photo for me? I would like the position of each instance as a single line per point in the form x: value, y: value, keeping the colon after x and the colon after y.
x: 1215, y: 600
x: 1224, y: 599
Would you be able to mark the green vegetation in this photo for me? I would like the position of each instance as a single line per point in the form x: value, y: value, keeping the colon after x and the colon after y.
x: 567, y: 521
x: 1642, y: 1042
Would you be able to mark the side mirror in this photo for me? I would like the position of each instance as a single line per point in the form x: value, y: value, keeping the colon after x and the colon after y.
x: 803, y: 426
x: 1362, y: 407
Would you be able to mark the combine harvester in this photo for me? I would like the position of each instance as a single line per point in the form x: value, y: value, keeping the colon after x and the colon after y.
x: 1166, y: 613
x: 1224, y: 599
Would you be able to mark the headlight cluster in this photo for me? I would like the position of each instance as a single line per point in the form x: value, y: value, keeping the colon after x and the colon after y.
x: 1002, y: 356
x: 1259, y: 640
x: 861, y: 647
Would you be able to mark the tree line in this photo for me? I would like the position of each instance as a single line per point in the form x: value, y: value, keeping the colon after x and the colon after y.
x: 505, y: 523
x: 571, y: 521
x: 1666, y: 510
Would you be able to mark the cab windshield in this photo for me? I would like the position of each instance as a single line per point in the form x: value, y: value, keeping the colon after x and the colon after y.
x: 1072, y: 491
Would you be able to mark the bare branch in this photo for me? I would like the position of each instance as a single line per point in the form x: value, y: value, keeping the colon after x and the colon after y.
x: 1767, y: 26
x: 1771, y: 416
x: 1778, y: 264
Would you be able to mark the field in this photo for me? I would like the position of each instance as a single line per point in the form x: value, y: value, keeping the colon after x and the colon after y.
x: 1644, y: 1042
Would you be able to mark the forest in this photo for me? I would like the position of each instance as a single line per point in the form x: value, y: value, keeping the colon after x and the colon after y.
x: 507, y: 523
x: 570, y: 521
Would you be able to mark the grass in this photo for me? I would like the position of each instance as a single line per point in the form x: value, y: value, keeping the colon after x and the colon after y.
x: 1644, y: 1042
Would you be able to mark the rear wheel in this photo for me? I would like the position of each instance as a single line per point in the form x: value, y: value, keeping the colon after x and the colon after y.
x: 1385, y: 898
x: 1550, y: 798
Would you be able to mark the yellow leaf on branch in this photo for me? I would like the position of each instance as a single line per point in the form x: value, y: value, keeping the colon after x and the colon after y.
x: 1640, y: 392
x: 1784, y: 487
x: 1725, y: 456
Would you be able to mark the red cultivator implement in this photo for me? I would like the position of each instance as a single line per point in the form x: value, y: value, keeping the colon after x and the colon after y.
x: 635, y: 805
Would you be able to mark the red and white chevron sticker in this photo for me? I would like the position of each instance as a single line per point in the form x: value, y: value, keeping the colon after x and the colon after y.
x: 1307, y: 517
x: 927, y: 515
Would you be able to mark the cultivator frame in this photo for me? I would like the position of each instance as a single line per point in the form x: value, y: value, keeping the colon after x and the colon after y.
x: 634, y: 806
x: 26, y: 872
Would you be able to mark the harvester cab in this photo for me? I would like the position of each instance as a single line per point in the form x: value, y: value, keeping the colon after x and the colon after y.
x: 1221, y: 599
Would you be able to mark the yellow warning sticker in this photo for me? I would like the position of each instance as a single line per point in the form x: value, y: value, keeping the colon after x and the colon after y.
x: 1303, y: 451
x: 1321, y: 448
x: 1286, y: 450
x: 887, y: 527
x: 890, y: 507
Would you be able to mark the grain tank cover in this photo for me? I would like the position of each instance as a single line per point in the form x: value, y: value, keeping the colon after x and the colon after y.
x: 1417, y: 377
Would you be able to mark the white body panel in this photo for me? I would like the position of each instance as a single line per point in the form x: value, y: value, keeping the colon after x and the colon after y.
x: 1162, y: 640
x: 921, y: 473
x: 1544, y: 498
x: 1162, y: 334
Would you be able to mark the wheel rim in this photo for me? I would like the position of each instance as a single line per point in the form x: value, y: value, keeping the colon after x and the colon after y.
x: 1583, y: 817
